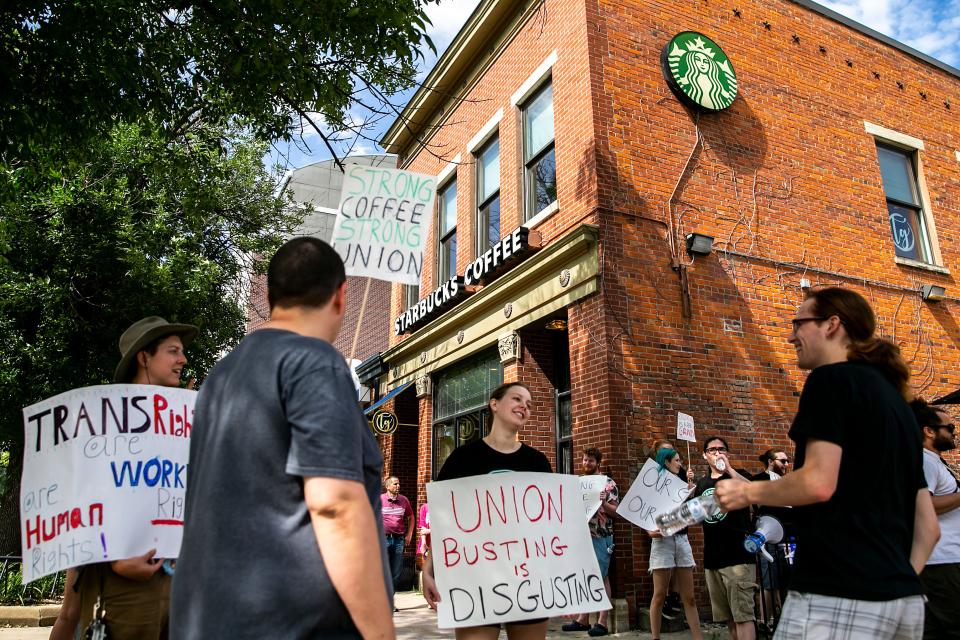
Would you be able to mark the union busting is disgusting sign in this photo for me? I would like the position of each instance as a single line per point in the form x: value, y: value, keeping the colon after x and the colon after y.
x: 512, y: 546
x: 104, y: 476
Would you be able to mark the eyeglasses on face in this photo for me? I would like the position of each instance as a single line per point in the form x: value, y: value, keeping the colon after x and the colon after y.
x: 796, y: 322
x: 716, y: 450
x: 783, y: 460
x: 949, y: 427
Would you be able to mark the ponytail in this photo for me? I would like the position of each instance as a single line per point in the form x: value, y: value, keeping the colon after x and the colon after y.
x: 885, y: 356
x: 860, y: 324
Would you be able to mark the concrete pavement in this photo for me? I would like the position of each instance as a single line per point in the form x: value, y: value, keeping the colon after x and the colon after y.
x: 414, y: 621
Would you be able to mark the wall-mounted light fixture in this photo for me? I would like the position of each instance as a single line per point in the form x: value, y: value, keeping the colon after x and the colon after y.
x: 804, y: 283
x: 933, y: 292
x: 699, y: 244
x: 557, y: 324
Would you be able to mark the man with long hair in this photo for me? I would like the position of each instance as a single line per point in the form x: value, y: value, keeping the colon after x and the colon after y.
x: 865, y: 521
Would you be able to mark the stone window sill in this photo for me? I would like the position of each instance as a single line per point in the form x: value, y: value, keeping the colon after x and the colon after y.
x: 921, y: 265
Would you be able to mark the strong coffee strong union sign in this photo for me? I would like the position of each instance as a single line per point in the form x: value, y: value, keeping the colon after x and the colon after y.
x: 699, y: 72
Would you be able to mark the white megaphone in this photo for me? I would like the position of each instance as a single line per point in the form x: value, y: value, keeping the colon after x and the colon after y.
x: 769, y: 530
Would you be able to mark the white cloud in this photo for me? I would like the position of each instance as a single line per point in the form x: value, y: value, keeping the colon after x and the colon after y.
x: 448, y: 17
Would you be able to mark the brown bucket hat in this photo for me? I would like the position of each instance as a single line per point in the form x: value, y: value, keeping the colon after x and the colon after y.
x: 143, y: 332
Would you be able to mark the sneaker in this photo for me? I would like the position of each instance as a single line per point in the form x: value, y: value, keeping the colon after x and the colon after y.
x: 575, y: 626
x: 598, y: 630
x: 671, y: 607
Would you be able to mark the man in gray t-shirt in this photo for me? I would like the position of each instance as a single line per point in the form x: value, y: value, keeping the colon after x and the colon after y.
x: 283, y: 535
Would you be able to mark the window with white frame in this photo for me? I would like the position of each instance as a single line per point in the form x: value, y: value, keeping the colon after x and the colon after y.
x: 539, y: 158
x: 488, y: 195
x: 411, y: 295
x: 447, y: 235
x: 908, y: 224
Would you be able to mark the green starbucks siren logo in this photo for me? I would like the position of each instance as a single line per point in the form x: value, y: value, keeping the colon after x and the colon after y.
x: 699, y: 72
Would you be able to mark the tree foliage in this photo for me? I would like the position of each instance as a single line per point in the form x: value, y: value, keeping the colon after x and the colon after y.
x: 141, y: 227
x: 69, y: 68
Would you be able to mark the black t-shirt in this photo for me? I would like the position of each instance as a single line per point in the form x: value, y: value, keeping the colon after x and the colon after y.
x: 857, y: 544
x: 783, y: 514
x: 478, y: 458
x: 723, y: 535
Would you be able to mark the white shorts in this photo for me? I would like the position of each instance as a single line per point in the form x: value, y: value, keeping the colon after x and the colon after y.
x: 670, y: 552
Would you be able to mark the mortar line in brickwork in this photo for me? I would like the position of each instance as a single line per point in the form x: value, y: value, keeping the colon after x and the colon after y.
x: 802, y: 267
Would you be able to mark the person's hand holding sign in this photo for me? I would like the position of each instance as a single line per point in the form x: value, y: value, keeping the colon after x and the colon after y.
x: 690, y: 477
x: 140, y: 568
x: 430, y: 592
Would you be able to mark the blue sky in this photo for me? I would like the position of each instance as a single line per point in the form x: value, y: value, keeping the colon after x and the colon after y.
x: 930, y: 26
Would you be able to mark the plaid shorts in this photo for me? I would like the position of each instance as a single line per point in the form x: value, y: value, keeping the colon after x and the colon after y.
x: 809, y: 616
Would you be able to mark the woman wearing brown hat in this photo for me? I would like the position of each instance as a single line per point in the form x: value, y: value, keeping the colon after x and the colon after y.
x: 134, y: 593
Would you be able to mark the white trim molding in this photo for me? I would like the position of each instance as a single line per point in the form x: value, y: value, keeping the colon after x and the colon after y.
x: 533, y: 82
x: 548, y: 211
x: 447, y: 170
x: 486, y: 132
x: 893, y: 136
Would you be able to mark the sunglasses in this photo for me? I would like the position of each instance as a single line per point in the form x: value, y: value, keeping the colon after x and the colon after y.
x: 949, y: 427
x: 783, y: 460
x: 716, y: 450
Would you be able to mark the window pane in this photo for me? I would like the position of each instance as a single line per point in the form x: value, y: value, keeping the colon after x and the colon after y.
x: 538, y: 123
x: 448, y: 257
x: 469, y: 427
x: 564, y: 417
x: 489, y: 220
x: 411, y: 295
x: 896, y: 168
x: 542, y: 182
x: 565, y: 457
x: 448, y: 208
x: 907, y: 235
x: 466, y: 385
x: 488, y: 174
x: 444, y: 442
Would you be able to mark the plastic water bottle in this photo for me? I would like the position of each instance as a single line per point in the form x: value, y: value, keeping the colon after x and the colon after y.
x: 690, y: 512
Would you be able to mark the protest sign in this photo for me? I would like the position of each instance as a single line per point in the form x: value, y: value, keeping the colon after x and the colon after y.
x: 512, y: 546
x: 652, y: 493
x: 685, y: 428
x: 104, y: 476
x: 382, y: 222
x: 591, y: 487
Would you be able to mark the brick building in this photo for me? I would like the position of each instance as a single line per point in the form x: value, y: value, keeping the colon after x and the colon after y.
x: 838, y: 163
x: 319, y: 185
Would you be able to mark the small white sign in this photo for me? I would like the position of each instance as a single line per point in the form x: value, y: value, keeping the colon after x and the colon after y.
x: 591, y: 487
x: 104, y: 476
x: 685, y: 428
x: 652, y: 493
x: 510, y: 547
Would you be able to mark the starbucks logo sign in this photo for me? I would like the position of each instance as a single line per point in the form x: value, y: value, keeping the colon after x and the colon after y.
x: 699, y: 72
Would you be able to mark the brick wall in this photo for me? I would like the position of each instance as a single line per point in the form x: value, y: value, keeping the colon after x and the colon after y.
x: 787, y: 181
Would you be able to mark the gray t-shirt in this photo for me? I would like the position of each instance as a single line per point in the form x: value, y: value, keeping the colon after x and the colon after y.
x: 279, y: 408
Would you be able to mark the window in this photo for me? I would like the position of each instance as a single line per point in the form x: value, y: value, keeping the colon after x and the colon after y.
x: 460, y: 395
x: 561, y: 363
x: 539, y: 159
x: 447, y: 251
x: 411, y: 296
x: 898, y: 167
x: 488, y: 196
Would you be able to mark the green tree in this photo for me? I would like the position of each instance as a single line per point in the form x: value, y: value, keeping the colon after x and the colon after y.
x: 74, y: 68
x: 143, y: 226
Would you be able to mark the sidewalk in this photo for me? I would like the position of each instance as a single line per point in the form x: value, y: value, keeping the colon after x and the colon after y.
x: 414, y: 621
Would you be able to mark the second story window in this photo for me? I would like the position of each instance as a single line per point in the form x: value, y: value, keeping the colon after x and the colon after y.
x: 488, y: 196
x: 539, y: 159
x: 907, y: 221
x: 447, y: 248
x: 411, y: 295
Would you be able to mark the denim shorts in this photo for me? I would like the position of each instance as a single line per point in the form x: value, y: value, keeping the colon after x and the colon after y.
x: 603, y: 547
x: 670, y: 552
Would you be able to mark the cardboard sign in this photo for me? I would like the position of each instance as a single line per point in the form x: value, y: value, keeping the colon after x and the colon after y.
x: 382, y: 223
x: 652, y: 493
x: 512, y: 546
x: 104, y: 476
x: 590, y: 488
x: 685, y: 428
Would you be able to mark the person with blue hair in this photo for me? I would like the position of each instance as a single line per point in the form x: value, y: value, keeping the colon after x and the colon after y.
x: 672, y: 554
